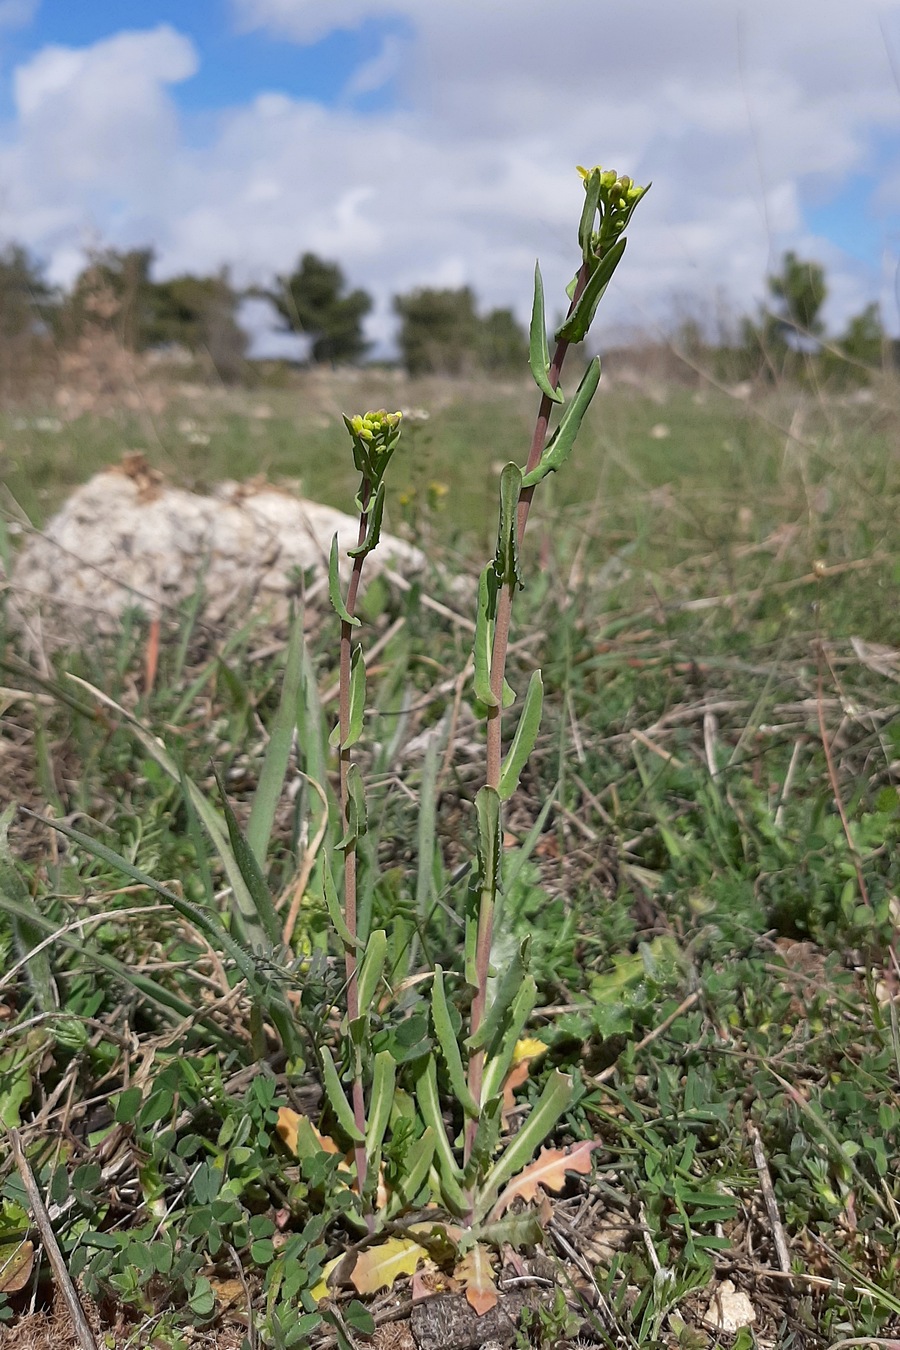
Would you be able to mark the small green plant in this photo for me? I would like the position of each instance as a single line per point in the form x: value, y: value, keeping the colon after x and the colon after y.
x: 475, y: 1178
x: 413, y: 1082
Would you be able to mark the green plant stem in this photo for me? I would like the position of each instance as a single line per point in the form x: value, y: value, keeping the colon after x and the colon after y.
x: 350, y: 855
x: 499, y: 653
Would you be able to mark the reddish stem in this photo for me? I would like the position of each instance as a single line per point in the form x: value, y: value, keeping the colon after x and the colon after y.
x: 495, y: 722
x: 350, y: 855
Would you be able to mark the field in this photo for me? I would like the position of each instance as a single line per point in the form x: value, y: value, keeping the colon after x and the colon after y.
x: 704, y: 852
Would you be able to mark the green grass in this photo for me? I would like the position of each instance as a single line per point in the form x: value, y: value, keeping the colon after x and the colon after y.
x: 693, y: 851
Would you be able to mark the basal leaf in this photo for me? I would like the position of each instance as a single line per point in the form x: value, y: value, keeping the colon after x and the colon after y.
x: 476, y: 1273
x: 337, y: 1098
x: 449, y: 1044
x: 549, y: 1171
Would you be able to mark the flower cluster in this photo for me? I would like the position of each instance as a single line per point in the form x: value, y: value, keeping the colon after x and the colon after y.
x: 615, y: 198
x: 374, y: 436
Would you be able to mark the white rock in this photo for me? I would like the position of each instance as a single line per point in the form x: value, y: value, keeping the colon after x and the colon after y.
x: 127, y: 539
x: 729, y: 1309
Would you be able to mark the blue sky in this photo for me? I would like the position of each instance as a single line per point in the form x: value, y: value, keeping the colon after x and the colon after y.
x: 428, y: 143
x: 234, y: 65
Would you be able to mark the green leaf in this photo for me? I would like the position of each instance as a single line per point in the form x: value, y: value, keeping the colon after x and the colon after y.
x: 337, y: 1099
x: 357, y: 818
x: 334, y: 587
x: 357, y: 697
x: 244, y: 907
x: 502, y: 1051
x: 278, y: 752
x: 250, y: 871
x: 127, y: 1105
x: 575, y: 327
x: 510, y: 985
x: 167, y: 1003
x: 372, y: 968
x: 202, y: 1299
x: 373, y: 526
x: 446, y: 1036
x: 359, y: 1318
x: 558, y: 448
x: 416, y: 1165
x: 506, y: 559
x: 333, y: 905
x: 484, y: 635
x: 539, y: 351
x: 27, y: 935
x: 549, y: 1108
x: 384, y: 1078
x: 487, y: 809
x: 524, y: 739
x: 487, y: 1137
x: 588, y: 215
x: 448, y: 1169
x: 357, y: 703
x: 267, y: 994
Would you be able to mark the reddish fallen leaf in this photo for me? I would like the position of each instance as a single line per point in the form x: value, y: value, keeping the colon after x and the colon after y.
x: 517, y: 1075
x: 476, y: 1274
x: 548, y: 1171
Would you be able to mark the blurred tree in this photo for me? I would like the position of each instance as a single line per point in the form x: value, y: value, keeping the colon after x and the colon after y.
x: 801, y: 291
x: 27, y: 303
x: 27, y: 309
x: 864, y: 339
x: 783, y: 338
x: 438, y: 331
x: 313, y: 300
x: 502, y: 342
x: 115, y: 292
x: 112, y: 293
x: 198, y: 313
x: 441, y: 332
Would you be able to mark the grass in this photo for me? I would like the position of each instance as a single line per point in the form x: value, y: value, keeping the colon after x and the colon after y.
x: 711, y: 901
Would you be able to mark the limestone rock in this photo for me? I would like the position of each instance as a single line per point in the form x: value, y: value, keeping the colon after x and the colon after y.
x: 729, y: 1309
x: 127, y: 539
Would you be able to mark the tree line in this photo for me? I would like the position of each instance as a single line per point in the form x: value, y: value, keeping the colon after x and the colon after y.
x: 439, y: 330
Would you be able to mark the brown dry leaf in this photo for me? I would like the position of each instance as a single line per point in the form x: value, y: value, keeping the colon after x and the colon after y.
x: 289, y: 1125
x: 514, y: 1079
x: 548, y: 1171
x: 229, y: 1293
x: 476, y: 1274
x: 16, y: 1264
x: 526, y: 1050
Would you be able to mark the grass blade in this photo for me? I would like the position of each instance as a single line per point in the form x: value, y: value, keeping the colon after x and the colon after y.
x: 278, y: 751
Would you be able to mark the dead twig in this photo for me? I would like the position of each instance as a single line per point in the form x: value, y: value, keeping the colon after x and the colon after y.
x: 80, y: 1325
x: 768, y: 1191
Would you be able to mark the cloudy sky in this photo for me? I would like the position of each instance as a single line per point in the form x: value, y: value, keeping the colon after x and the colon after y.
x: 433, y: 142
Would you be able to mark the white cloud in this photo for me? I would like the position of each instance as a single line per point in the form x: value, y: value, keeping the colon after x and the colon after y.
x: 739, y: 114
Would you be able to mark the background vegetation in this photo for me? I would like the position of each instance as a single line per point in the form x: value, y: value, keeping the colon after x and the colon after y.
x: 711, y: 892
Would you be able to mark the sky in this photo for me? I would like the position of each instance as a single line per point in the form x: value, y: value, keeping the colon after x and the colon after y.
x: 434, y: 143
